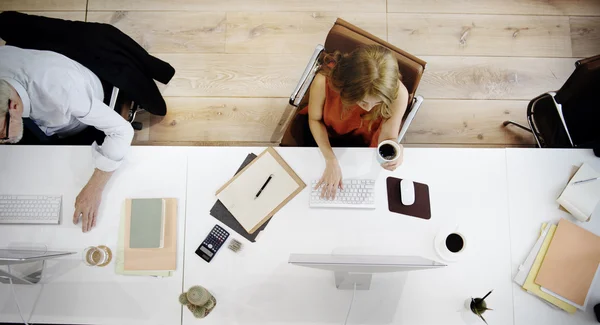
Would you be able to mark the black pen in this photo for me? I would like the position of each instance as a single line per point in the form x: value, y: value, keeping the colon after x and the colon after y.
x: 263, y: 187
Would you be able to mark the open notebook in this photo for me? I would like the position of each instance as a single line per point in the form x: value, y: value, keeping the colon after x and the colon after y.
x: 580, y: 200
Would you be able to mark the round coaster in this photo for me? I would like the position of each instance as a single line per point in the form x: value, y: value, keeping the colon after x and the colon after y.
x: 108, y: 255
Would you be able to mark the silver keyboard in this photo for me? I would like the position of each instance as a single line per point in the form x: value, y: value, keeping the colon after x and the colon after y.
x: 357, y: 194
x: 30, y: 209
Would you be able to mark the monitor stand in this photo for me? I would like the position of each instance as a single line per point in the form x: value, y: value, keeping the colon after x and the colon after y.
x: 347, y: 280
x: 31, y: 273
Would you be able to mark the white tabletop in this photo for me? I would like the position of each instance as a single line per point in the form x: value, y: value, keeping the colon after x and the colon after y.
x: 497, y: 198
x: 77, y: 293
x: 258, y: 286
x: 536, y: 179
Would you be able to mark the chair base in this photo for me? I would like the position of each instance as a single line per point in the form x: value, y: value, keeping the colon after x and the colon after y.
x: 506, y: 123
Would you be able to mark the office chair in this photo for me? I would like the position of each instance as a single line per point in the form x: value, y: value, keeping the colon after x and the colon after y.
x: 345, y: 37
x: 569, y: 117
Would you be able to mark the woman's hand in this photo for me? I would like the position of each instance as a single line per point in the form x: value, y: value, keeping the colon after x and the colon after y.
x: 331, y: 179
x: 391, y: 166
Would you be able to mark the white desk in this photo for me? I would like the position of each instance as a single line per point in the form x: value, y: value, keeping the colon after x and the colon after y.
x: 536, y: 179
x: 258, y: 286
x: 77, y: 293
x: 469, y: 187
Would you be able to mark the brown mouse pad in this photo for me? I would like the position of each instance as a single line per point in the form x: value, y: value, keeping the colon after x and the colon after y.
x: 420, y: 209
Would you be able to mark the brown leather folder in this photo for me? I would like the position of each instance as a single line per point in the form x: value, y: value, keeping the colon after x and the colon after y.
x: 420, y: 209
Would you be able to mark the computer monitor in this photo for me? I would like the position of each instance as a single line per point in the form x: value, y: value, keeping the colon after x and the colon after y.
x: 22, y: 256
x: 356, y: 271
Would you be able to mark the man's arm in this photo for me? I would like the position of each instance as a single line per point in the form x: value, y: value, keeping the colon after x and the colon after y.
x: 88, y: 200
x: 107, y: 158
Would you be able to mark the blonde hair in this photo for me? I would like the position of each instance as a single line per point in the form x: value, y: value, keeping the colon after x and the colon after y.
x: 369, y: 70
x: 5, y: 92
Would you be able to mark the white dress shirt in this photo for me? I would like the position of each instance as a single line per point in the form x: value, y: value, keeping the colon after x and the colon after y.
x: 63, y: 97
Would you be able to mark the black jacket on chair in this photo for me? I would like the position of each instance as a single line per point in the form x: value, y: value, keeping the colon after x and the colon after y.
x: 109, y: 53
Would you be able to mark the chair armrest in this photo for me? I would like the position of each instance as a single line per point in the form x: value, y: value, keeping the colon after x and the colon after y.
x: 113, y: 98
x: 307, y: 77
x: 414, y: 108
x: 560, y: 113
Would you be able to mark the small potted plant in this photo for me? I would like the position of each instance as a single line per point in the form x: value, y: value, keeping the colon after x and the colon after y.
x: 478, y: 306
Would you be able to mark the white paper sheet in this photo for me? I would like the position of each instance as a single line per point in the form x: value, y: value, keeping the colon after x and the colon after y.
x: 525, y: 268
x: 240, y: 196
x: 581, y: 199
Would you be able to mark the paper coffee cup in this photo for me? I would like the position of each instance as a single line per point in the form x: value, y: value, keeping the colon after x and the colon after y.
x: 388, y: 151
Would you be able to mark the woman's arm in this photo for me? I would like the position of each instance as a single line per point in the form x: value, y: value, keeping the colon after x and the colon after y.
x: 315, y: 116
x: 391, y: 127
x: 332, y: 176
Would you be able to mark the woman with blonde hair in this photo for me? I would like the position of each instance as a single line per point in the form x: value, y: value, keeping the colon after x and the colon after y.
x: 356, y: 96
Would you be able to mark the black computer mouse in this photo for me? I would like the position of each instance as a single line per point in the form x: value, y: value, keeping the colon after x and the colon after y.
x: 597, y: 312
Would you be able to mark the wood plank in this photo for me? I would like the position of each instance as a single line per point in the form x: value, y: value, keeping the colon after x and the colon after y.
x: 208, y: 144
x: 169, y: 32
x: 227, y: 75
x: 494, y: 35
x: 450, y: 77
x: 469, y: 121
x: 585, y: 36
x: 240, y: 5
x: 68, y: 15
x: 516, y: 7
x: 218, y: 119
x: 42, y: 5
x: 291, y: 32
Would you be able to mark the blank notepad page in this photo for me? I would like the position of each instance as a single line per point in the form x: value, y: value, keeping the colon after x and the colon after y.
x: 239, y: 195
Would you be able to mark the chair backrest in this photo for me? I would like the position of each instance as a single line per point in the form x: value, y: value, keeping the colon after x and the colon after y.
x: 345, y: 37
x: 580, y: 101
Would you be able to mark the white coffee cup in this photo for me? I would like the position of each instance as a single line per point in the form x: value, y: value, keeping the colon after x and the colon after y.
x: 388, y: 151
x: 450, y: 245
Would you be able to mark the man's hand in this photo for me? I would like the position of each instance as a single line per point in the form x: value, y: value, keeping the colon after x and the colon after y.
x: 88, y: 200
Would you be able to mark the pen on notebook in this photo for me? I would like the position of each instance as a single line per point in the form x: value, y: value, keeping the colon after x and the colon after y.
x: 586, y: 180
x: 263, y: 187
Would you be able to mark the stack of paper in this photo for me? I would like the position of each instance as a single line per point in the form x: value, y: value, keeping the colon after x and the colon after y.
x: 147, y: 242
x: 562, y: 266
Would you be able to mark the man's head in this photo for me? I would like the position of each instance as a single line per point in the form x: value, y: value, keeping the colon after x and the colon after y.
x: 11, y: 112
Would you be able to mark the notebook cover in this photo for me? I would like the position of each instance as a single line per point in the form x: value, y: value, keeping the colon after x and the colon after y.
x: 420, y: 209
x: 120, y: 256
x: 153, y: 259
x: 531, y: 287
x: 571, y: 262
x: 220, y: 212
x: 146, y: 223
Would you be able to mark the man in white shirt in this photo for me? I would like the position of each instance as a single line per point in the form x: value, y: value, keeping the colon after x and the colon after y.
x: 63, y: 98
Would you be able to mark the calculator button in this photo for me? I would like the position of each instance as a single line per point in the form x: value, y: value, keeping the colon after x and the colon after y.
x: 210, y: 246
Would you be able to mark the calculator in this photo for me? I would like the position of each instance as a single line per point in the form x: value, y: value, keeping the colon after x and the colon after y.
x: 210, y: 246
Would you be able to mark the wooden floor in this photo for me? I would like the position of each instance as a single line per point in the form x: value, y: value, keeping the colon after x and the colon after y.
x: 237, y: 61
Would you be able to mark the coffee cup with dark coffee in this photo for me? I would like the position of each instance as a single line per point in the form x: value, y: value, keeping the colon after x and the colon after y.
x: 455, y: 243
x: 450, y: 245
x: 388, y: 151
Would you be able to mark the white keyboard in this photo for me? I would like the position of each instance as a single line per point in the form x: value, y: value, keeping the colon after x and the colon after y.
x: 357, y: 194
x: 30, y: 209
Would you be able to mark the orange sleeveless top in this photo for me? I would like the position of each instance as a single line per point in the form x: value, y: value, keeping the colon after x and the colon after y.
x: 340, y: 122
